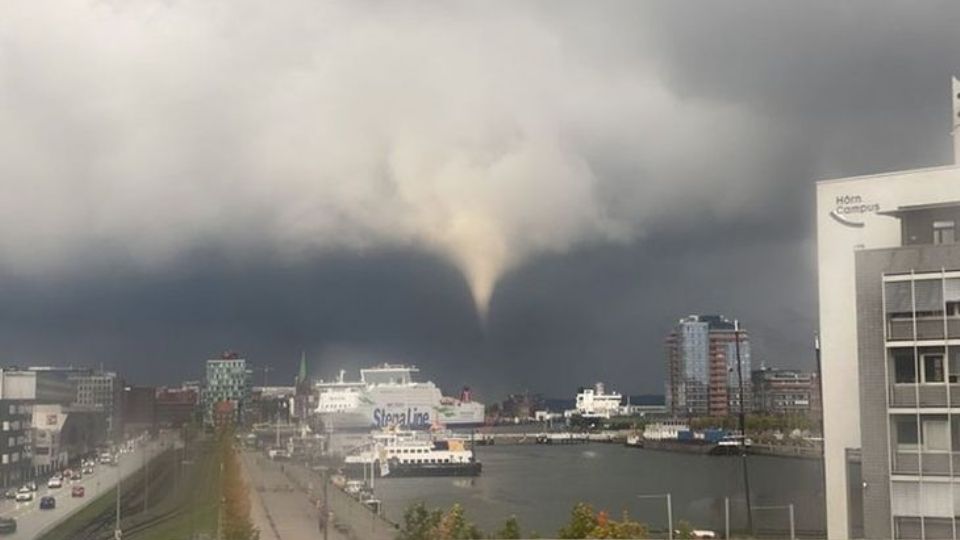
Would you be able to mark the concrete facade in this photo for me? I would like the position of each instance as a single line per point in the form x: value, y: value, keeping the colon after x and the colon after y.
x: 908, y: 391
x: 16, y: 459
x: 852, y: 216
x: 100, y: 391
x: 786, y: 391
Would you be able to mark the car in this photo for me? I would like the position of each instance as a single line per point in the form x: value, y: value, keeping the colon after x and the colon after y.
x: 31, y: 485
x: 77, y: 491
x: 48, y: 503
x: 10, y: 494
x: 24, y: 495
x: 8, y: 525
x: 88, y: 471
x: 55, y: 482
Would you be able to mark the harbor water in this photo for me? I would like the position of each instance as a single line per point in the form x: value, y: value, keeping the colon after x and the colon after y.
x: 540, y: 484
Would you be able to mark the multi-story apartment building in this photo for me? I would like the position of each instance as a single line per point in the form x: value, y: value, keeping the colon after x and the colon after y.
x: 889, y: 280
x: 100, y: 391
x: 786, y: 391
x: 16, y: 456
x: 43, y: 423
x: 227, y: 380
x: 702, y: 367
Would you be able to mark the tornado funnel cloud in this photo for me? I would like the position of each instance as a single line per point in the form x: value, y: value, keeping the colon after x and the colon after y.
x: 366, y: 126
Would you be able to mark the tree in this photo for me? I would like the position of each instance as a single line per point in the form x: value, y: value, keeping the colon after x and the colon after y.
x: 236, y: 497
x: 582, y: 522
x: 454, y: 526
x: 419, y: 523
x: 625, y: 528
x: 510, y: 530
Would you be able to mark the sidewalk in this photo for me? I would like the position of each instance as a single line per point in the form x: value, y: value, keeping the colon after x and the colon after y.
x: 278, y: 508
x: 258, y: 512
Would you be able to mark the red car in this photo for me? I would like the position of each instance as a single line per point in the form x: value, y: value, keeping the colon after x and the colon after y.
x: 77, y: 491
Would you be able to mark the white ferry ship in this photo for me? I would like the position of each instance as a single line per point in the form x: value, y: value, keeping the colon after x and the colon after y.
x: 408, y: 453
x: 387, y: 396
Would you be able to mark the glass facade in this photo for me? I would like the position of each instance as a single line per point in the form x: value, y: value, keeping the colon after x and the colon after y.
x: 227, y: 380
x: 694, y: 341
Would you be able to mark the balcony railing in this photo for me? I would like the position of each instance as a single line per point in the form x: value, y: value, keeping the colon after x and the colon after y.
x: 934, y: 463
x: 927, y: 328
x: 924, y: 395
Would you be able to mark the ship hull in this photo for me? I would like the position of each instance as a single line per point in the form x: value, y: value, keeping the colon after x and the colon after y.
x: 419, y: 470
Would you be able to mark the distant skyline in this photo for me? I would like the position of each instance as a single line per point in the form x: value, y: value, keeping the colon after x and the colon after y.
x: 510, y: 196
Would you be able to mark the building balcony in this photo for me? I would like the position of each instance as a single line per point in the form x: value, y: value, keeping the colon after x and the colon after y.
x: 909, y: 396
x: 927, y: 328
x: 934, y: 463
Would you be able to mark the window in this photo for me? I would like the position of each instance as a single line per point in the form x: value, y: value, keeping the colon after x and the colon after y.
x: 954, y: 365
x: 936, y: 435
x: 955, y: 433
x: 905, y: 368
x: 944, y: 232
x: 933, y: 434
x: 908, y: 437
x: 928, y: 297
x: 932, y: 368
x: 898, y: 299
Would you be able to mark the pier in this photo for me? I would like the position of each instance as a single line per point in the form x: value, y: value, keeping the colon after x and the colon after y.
x: 566, y: 437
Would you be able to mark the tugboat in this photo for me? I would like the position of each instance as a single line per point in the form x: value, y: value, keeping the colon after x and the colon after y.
x: 411, y: 454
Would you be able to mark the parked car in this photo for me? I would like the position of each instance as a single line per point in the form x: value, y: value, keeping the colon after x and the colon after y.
x: 48, y: 503
x: 31, y: 485
x: 88, y: 471
x: 55, y: 482
x: 77, y: 491
x: 8, y: 525
x: 24, y: 495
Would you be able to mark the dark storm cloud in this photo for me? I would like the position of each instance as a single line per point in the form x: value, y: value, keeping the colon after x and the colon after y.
x: 609, y: 167
x: 341, y: 309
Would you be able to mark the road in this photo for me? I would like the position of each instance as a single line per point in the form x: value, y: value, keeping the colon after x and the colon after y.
x: 32, y: 522
x: 278, y: 508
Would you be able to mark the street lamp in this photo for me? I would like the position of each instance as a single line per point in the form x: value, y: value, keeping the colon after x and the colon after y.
x: 743, y: 426
x: 669, y: 510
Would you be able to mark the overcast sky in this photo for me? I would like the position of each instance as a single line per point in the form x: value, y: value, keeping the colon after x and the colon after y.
x: 510, y: 195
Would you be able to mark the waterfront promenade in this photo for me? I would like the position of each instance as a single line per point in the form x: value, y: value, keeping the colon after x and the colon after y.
x: 284, y: 501
x: 278, y: 507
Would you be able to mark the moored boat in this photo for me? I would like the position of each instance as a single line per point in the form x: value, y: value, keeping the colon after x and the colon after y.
x: 408, y: 454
